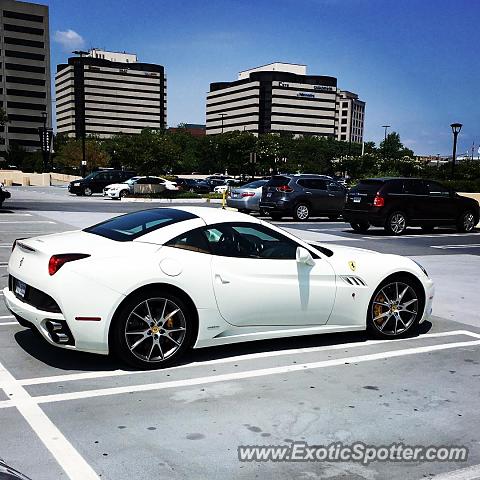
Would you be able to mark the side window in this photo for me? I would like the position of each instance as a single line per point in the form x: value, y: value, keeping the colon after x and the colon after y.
x: 101, y: 177
x: 248, y: 240
x: 194, y: 240
x: 305, y: 183
x: 415, y: 187
x: 437, y: 190
x: 319, y: 184
x: 394, y: 186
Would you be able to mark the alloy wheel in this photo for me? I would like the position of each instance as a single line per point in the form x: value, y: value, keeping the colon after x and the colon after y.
x: 468, y: 222
x: 398, y: 223
x: 155, y: 330
x: 302, y: 212
x: 394, y: 308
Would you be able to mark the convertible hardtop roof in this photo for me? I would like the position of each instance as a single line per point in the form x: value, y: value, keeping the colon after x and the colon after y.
x: 211, y: 215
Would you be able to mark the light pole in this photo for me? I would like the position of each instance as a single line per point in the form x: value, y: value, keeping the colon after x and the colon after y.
x: 45, y: 135
x: 81, y: 54
x: 386, y: 127
x: 222, y: 115
x: 456, y: 127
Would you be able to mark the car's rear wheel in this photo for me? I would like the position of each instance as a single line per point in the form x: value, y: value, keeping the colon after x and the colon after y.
x: 360, y: 227
x: 466, y: 222
x: 396, y: 223
x: 87, y: 191
x: 395, y: 308
x: 153, y: 330
x: 301, y: 212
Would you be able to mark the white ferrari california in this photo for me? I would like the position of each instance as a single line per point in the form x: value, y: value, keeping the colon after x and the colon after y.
x: 150, y: 284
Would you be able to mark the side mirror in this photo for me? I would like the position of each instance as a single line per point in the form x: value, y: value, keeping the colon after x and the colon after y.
x: 305, y: 257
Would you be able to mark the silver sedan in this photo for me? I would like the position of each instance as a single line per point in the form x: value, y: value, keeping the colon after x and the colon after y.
x: 247, y: 197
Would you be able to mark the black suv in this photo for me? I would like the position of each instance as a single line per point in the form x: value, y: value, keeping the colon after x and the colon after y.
x: 302, y: 196
x: 396, y: 203
x: 97, y: 181
x: 4, y: 194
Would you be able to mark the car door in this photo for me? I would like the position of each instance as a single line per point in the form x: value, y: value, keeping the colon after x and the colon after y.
x: 337, y: 195
x: 322, y: 201
x: 100, y: 182
x: 441, y: 204
x: 258, y: 282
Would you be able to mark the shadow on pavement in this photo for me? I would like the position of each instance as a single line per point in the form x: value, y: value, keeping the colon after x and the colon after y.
x: 34, y: 344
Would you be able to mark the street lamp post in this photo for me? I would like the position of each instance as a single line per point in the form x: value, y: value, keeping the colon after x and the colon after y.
x: 81, y: 54
x: 386, y: 127
x: 456, y: 127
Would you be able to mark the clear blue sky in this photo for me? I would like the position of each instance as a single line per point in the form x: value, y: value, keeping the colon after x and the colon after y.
x: 414, y: 62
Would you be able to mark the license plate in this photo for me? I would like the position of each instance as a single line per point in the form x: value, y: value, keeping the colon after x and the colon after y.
x: 269, y: 194
x: 234, y: 194
x: 20, y: 288
x: 357, y: 199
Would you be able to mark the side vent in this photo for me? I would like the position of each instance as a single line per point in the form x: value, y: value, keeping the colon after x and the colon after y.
x: 353, y: 280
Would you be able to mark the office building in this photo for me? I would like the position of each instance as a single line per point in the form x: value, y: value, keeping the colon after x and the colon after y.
x: 282, y: 98
x: 25, y: 73
x: 104, y: 93
x: 350, y: 117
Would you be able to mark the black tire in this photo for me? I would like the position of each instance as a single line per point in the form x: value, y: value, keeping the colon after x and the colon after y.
x: 428, y: 228
x: 152, y: 333
x: 360, y: 227
x: 301, y: 212
x: 377, y: 311
x: 245, y: 210
x: 262, y: 212
x: 396, y: 223
x: 123, y: 193
x: 466, y: 222
x: 87, y: 191
x: 333, y: 217
x: 276, y: 216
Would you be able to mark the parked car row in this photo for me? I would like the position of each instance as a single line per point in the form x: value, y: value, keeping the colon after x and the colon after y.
x: 391, y: 203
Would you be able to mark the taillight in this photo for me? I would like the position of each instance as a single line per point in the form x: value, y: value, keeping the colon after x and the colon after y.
x: 378, y: 201
x: 57, y: 261
x: 284, y: 188
x: 248, y: 194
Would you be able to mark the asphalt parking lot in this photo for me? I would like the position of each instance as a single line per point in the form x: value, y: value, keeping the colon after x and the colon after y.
x: 73, y: 415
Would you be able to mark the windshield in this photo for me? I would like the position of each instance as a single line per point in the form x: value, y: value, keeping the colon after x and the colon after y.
x: 91, y: 175
x: 132, y: 180
x: 133, y: 225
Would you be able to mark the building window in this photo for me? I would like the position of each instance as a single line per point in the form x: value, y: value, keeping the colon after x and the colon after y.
x: 345, y: 104
x: 344, y: 113
x: 344, y: 120
x: 343, y: 137
x: 344, y: 129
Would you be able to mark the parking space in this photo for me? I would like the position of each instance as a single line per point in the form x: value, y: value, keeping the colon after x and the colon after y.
x: 79, y: 416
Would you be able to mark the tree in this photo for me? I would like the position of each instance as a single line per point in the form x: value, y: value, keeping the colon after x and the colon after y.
x: 70, y: 154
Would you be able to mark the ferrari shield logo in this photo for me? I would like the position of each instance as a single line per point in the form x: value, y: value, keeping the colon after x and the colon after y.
x: 352, y: 265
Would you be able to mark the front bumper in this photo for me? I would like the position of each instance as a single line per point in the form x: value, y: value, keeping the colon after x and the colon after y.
x: 75, y: 188
x: 111, y: 193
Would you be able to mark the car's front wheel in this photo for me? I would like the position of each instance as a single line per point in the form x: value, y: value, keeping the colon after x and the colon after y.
x: 123, y: 193
x: 396, y: 223
x: 153, y: 330
x: 87, y: 191
x: 301, y: 212
x: 395, y: 308
x: 466, y: 222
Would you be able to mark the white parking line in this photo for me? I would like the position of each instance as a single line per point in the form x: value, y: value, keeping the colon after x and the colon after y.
x: 249, y: 373
x: 238, y: 358
x: 6, y: 316
x: 468, y: 473
x: 6, y: 404
x: 28, y: 221
x: 404, y: 237
x: 16, y: 214
x: 448, y: 247
x: 68, y: 458
x: 9, y: 323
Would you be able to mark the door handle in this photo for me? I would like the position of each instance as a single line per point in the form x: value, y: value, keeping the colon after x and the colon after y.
x: 221, y: 280
x: 331, y: 194
x: 308, y: 193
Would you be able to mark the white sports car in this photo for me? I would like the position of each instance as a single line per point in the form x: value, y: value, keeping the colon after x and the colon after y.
x: 150, y: 284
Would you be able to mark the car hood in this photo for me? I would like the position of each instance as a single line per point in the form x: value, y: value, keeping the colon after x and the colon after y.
x: 117, y: 185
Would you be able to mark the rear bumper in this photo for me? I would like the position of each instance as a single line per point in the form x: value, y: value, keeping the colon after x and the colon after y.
x: 242, y: 203
x: 280, y: 206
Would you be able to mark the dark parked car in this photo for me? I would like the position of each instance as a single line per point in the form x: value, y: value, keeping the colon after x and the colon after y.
x: 97, y: 181
x: 192, y: 185
x: 303, y: 196
x: 4, y: 194
x: 396, y: 203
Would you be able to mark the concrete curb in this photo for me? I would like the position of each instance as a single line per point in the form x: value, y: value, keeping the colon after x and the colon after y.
x: 171, y: 200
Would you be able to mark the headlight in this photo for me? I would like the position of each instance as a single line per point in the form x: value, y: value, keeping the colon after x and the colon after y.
x: 422, y: 268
